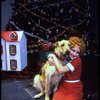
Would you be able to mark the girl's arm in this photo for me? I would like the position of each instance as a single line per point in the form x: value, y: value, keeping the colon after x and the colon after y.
x: 55, y: 62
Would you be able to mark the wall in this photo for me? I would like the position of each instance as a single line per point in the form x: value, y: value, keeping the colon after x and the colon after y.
x: 6, y: 13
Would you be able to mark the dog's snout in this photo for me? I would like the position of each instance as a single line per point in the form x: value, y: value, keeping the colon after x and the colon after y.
x: 67, y: 52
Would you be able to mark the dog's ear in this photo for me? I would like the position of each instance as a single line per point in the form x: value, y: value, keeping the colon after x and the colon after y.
x: 55, y: 44
x: 52, y: 47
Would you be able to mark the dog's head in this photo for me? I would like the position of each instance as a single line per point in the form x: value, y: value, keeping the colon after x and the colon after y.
x: 62, y: 47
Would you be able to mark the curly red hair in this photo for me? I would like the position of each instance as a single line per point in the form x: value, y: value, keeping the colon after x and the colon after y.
x: 74, y: 40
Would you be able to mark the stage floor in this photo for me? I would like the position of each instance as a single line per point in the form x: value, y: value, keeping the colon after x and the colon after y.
x: 14, y: 89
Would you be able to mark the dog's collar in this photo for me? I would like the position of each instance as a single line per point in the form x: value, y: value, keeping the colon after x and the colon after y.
x: 57, y: 56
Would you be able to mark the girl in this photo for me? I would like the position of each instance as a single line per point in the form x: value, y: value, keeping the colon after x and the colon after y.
x: 70, y: 87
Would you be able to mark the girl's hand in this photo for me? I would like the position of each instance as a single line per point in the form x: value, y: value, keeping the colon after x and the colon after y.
x: 51, y: 55
x: 51, y: 61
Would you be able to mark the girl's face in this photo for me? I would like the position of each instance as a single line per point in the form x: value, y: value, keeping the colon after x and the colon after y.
x: 74, y: 52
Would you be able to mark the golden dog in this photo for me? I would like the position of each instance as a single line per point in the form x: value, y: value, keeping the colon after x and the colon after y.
x: 49, y: 78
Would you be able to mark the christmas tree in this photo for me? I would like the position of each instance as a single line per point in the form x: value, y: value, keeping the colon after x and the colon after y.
x: 47, y: 21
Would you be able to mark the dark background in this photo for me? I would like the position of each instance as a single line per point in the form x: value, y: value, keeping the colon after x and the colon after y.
x: 6, y: 13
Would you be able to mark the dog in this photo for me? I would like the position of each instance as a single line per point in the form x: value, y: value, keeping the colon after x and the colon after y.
x: 49, y: 78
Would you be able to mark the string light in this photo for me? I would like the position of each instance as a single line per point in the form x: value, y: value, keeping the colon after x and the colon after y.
x: 38, y: 13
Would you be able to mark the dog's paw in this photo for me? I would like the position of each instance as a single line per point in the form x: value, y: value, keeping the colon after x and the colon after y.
x: 38, y: 95
x: 47, y: 98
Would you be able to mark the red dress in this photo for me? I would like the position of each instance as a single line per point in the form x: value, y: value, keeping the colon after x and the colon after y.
x: 71, y: 90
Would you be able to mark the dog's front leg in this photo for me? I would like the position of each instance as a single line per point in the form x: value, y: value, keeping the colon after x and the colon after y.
x: 48, y: 76
x: 47, y: 87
